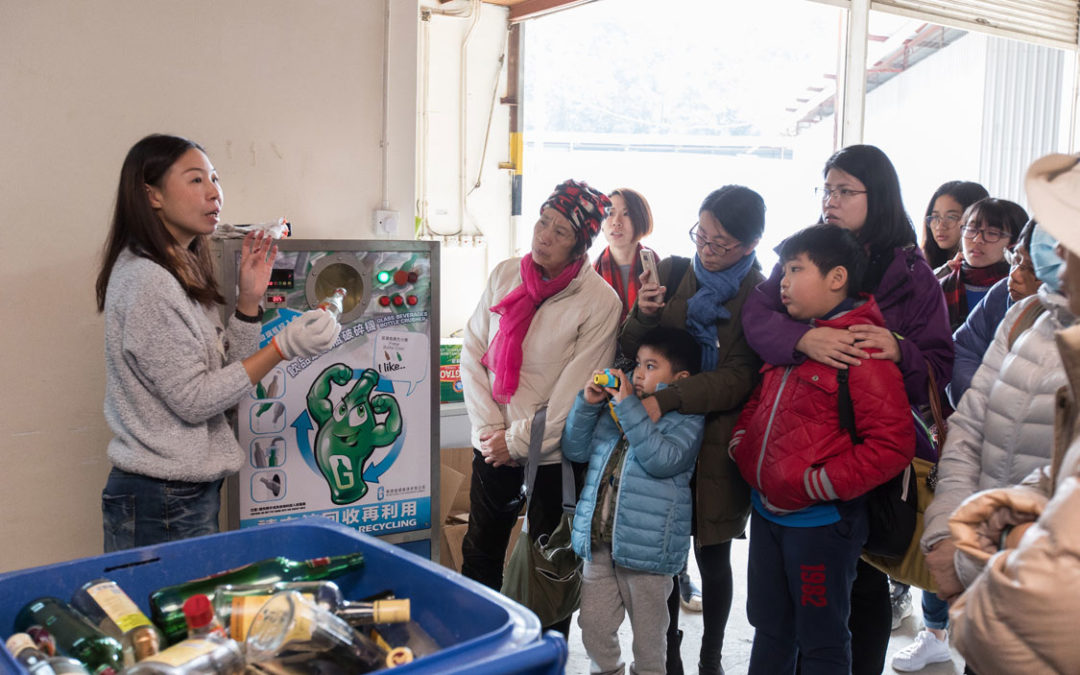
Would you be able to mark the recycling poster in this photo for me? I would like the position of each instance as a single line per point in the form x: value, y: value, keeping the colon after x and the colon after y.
x: 346, y: 435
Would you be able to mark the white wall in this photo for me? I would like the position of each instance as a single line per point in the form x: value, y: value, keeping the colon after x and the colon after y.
x: 478, y: 237
x: 286, y: 97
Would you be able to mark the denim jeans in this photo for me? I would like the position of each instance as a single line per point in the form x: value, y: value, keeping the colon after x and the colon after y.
x: 935, y: 611
x: 138, y: 510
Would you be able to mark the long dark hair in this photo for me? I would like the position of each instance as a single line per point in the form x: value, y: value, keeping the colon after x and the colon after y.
x: 135, y: 225
x: 887, y: 225
x: 966, y: 193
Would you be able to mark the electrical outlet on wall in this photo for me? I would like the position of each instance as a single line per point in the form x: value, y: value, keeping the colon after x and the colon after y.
x: 386, y: 223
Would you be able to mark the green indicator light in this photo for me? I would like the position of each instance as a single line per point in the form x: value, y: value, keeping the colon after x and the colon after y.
x: 383, y: 277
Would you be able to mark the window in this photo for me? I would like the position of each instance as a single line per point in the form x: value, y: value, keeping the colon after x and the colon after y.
x: 676, y: 102
x: 947, y: 104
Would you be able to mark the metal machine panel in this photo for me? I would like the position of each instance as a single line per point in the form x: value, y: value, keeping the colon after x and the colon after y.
x: 351, y: 435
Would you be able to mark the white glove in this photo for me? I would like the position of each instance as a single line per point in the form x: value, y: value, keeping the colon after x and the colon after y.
x: 309, y: 334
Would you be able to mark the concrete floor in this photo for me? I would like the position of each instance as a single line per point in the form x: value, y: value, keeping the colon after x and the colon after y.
x: 740, y: 634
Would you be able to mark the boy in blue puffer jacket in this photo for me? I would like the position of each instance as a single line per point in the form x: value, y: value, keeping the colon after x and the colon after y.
x: 632, y: 525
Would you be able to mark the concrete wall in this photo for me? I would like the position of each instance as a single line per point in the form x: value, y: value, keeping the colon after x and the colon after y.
x: 286, y: 97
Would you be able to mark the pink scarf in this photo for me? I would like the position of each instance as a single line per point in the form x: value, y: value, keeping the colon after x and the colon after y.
x: 504, y: 354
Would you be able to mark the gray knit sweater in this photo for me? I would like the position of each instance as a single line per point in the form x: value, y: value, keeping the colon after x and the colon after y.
x: 171, y: 372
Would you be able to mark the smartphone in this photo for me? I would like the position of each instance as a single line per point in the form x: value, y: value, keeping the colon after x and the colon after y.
x: 649, y: 265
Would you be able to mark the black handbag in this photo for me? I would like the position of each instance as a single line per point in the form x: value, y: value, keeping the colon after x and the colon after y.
x: 544, y: 574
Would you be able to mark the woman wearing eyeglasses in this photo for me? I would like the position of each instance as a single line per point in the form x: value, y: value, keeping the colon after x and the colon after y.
x: 990, y: 227
x: 944, y: 216
x: 861, y: 193
x: 705, y: 295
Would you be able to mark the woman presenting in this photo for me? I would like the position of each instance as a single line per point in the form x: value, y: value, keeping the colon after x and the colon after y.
x: 543, y: 320
x: 172, y: 369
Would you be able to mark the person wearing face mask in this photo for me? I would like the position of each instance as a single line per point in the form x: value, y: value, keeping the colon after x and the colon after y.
x: 1033, y: 263
x: 1002, y: 429
x: 705, y: 296
x: 628, y: 221
x: 1019, y: 614
x: 542, y: 321
x: 861, y: 193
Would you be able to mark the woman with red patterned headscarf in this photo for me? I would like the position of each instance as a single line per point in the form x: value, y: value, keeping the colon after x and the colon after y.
x: 543, y: 320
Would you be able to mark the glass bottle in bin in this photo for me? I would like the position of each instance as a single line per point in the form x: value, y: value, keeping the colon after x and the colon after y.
x: 74, y: 634
x: 28, y: 655
x: 212, y: 654
x: 200, y: 617
x: 237, y: 605
x: 334, y: 303
x: 166, y: 604
x: 290, y: 630
x: 114, y: 613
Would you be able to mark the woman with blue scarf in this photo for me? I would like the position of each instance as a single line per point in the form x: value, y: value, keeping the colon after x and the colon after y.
x: 705, y: 296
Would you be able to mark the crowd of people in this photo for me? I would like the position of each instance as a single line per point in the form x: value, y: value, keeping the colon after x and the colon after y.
x: 693, y: 397
x: 778, y: 405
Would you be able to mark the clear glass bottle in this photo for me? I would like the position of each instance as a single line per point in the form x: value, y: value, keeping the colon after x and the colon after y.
x: 212, y: 654
x: 28, y: 655
x: 166, y: 604
x: 114, y: 613
x: 236, y: 605
x: 200, y: 617
x: 74, y: 634
x: 334, y: 303
x: 290, y: 630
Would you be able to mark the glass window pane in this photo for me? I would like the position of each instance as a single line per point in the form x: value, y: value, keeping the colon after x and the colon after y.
x: 676, y: 102
x: 947, y: 104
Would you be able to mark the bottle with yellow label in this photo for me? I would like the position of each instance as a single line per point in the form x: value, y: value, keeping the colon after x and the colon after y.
x: 210, y: 654
x: 114, y: 613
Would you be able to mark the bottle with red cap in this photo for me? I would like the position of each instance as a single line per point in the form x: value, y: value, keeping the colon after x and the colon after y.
x: 200, y: 617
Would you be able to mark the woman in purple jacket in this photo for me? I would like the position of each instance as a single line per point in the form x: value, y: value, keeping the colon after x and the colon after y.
x: 862, y: 194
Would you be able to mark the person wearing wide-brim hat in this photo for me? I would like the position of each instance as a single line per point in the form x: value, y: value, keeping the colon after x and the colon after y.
x: 1021, y: 612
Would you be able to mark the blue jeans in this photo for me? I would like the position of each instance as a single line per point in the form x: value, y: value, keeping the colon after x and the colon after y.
x: 935, y: 611
x: 138, y: 510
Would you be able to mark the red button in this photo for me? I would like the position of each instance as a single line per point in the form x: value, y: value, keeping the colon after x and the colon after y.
x: 413, y: 276
x: 384, y: 301
x: 411, y: 300
x: 401, y: 277
x: 398, y: 301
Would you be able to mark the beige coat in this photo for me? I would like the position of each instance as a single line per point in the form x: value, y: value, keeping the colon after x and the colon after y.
x: 1022, y: 614
x: 571, y: 335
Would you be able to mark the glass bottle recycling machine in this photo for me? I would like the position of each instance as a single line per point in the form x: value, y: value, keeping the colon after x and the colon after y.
x: 351, y: 435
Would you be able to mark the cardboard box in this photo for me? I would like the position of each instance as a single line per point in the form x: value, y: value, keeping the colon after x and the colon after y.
x: 456, y: 476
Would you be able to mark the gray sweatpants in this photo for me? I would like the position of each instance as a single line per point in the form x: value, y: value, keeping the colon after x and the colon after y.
x: 608, y: 593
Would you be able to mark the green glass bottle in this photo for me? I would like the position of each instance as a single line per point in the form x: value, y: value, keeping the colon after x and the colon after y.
x: 75, y: 635
x: 166, y: 605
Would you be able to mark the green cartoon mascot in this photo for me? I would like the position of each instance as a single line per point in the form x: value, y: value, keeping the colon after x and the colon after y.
x: 349, y: 432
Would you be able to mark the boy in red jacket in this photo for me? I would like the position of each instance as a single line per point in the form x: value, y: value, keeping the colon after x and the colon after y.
x: 809, y: 477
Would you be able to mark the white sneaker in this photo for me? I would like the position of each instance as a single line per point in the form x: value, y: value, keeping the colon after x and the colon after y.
x: 925, y: 650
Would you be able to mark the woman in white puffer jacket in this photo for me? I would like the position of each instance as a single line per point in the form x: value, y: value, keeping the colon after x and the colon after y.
x: 1003, y: 428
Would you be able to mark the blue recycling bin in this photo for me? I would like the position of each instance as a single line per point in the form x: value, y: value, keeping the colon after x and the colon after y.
x: 479, y: 630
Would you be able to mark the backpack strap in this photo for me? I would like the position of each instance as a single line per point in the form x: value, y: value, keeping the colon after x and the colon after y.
x: 1026, y: 320
x: 845, y: 408
x: 679, y: 267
